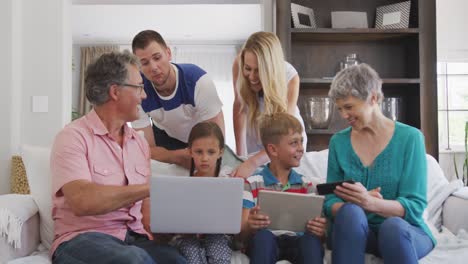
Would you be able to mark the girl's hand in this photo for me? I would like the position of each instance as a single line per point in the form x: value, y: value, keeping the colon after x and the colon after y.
x: 317, y: 226
x: 257, y: 220
x: 244, y: 170
x: 356, y: 193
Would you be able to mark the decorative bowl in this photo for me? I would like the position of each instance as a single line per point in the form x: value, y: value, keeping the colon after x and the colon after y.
x: 318, y: 112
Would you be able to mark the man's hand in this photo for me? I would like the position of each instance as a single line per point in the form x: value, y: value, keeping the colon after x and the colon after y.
x: 317, y: 226
x: 183, y: 158
x: 257, y: 220
x: 356, y: 193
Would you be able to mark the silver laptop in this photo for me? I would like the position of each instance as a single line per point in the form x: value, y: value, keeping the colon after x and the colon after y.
x: 196, y: 205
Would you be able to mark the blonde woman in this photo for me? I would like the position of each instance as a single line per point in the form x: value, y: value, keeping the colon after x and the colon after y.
x: 264, y: 83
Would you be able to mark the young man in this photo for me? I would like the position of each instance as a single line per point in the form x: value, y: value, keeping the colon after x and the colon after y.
x: 100, y: 173
x: 282, y: 139
x: 179, y: 96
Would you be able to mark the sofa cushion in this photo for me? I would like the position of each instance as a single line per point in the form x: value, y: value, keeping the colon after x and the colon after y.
x: 455, y: 214
x: 438, y: 189
x: 36, y: 161
x: 314, y: 166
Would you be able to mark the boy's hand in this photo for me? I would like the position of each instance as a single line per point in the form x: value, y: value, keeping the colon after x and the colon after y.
x: 317, y: 226
x: 257, y: 220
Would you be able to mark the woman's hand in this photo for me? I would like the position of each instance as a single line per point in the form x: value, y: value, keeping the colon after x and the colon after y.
x: 356, y: 193
x: 244, y: 170
x: 317, y: 226
x: 257, y: 220
x: 376, y: 193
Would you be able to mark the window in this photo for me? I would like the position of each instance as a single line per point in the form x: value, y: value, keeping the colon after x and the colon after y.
x: 452, y: 85
x: 217, y: 61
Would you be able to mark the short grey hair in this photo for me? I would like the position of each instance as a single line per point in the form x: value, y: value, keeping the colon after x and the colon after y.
x: 110, y: 68
x: 359, y: 81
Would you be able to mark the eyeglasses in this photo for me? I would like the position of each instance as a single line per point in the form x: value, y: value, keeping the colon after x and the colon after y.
x: 140, y: 87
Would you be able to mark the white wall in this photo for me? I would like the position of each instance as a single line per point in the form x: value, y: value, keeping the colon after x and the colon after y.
x: 6, y: 10
x: 46, y: 68
x: 452, y: 35
x: 36, y: 61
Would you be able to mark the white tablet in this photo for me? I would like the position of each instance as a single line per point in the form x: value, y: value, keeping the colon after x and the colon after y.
x: 289, y: 211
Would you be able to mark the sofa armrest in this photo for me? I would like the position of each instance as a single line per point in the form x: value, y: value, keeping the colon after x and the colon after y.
x: 29, y: 236
x: 455, y: 213
x: 30, y: 239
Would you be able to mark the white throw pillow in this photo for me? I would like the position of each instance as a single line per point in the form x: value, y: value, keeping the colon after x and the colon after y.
x: 36, y: 163
x: 162, y: 168
x: 436, y: 192
x: 314, y: 166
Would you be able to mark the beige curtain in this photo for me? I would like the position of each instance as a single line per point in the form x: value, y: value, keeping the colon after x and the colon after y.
x: 88, y: 54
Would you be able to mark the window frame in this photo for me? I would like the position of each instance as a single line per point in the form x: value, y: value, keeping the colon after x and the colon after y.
x: 449, y: 145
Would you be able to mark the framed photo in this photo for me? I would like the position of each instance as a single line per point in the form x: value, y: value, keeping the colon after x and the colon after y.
x: 393, y: 16
x: 303, y: 17
x: 349, y: 19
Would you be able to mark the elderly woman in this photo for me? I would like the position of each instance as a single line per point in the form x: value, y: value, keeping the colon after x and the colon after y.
x: 382, y: 212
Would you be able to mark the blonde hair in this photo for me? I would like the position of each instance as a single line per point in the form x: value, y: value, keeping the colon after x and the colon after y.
x: 271, y: 69
x: 273, y: 127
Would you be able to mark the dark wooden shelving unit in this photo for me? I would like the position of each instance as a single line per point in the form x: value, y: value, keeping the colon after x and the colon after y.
x: 328, y: 81
x: 347, y: 35
x: 404, y: 58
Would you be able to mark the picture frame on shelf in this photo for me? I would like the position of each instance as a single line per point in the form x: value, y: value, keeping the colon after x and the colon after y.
x: 303, y: 17
x: 349, y: 19
x: 393, y: 16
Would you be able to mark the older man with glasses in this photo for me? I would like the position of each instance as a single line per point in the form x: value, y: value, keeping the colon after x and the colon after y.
x: 100, y: 174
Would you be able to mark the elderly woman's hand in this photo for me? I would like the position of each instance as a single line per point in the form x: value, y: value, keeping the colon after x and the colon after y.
x: 376, y: 193
x: 358, y: 194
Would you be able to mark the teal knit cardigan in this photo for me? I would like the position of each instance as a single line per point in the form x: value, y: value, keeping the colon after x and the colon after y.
x: 400, y: 170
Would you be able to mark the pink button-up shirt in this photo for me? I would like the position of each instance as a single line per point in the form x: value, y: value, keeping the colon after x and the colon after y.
x: 84, y: 150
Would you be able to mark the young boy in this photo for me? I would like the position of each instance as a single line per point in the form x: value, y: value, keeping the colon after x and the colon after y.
x: 281, y: 137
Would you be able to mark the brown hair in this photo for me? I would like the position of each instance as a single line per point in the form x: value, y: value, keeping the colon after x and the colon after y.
x: 273, y: 127
x: 145, y: 37
x: 206, y: 129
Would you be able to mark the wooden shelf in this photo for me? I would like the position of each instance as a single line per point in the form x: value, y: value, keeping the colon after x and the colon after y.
x: 321, y: 132
x: 404, y: 58
x: 349, y: 35
x: 401, y: 81
x: 312, y: 82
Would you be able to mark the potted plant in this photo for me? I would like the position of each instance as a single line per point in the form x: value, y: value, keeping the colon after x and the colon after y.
x: 464, y: 176
x: 75, y: 114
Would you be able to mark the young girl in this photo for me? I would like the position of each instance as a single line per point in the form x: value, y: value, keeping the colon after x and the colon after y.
x: 206, y: 146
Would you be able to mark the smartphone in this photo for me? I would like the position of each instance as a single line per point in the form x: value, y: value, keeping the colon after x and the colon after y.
x: 328, y: 188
